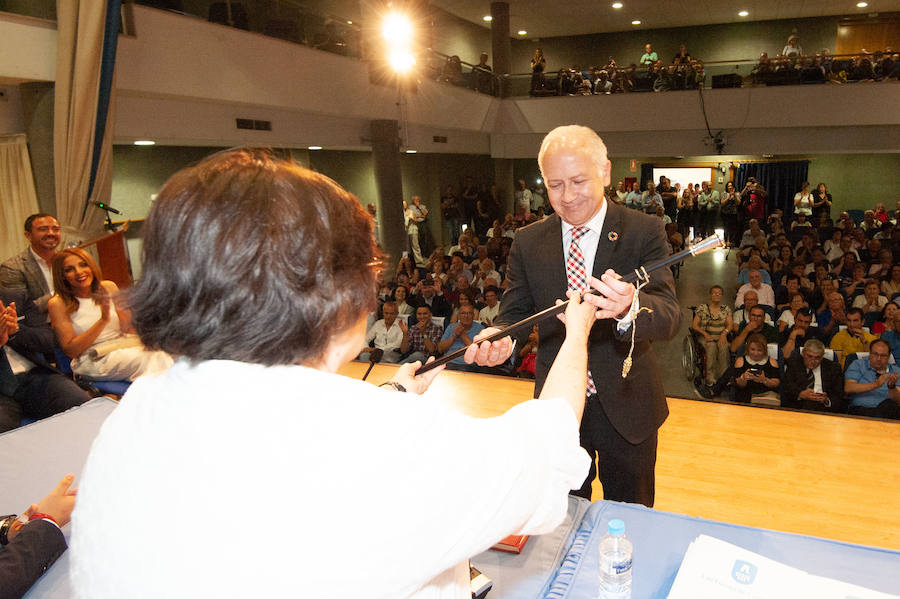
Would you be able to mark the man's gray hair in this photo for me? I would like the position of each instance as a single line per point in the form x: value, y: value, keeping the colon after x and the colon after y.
x: 815, y: 346
x: 575, y: 138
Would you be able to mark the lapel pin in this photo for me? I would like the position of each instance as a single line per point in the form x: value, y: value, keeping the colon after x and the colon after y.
x: 613, y: 236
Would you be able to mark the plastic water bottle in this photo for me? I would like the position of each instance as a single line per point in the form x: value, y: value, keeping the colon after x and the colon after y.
x: 615, y: 562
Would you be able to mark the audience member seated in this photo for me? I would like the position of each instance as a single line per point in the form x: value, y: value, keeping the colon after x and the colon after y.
x: 528, y: 355
x: 29, y: 385
x: 833, y: 316
x: 32, y: 542
x: 30, y: 270
x: 756, y: 325
x: 753, y: 233
x: 785, y: 293
x: 753, y: 374
x: 881, y: 266
x: 788, y: 315
x: 742, y: 315
x: 420, y: 340
x: 870, y: 300
x: 763, y: 291
x: 463, y: 299
x: 871, y: 384
x: 399, y: 298
x: 832, y: 247
x: 812, y: 382
x: 891, y: 285
x: 491, y: 307
x: 869, y: 221
x: 754, y: 262
x: 460, y: 335
x: 712, y: 321
x: 854, y: 338
x: 91, y: 329
x: 801, y: 330
x: 485, y: 273
x: 427, y: 295
x: 885, y: 320
x: 386, y: 334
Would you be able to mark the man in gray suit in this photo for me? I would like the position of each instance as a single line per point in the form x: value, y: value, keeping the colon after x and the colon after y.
x: 589, y: 235
x: 30, y: 269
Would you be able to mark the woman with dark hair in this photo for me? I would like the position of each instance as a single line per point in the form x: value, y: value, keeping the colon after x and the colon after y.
x: 256, y: 274
x: 91, y: 328
x: 821, y: 202
x: 538, y: 64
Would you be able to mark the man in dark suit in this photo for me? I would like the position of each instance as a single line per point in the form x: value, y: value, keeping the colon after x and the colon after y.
x: 811, y: 382
x: 29, y: 385
x: 28, y: 551
x: 30, y: 269
x: 587, y: 234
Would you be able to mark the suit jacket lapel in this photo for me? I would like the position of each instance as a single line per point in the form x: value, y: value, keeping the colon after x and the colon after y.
x: 605, y: 246
x: 34, y: 272
x: 555, y: 255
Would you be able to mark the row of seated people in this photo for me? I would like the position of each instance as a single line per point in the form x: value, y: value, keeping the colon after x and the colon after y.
x: 747, y: 355
x: 63, y: 323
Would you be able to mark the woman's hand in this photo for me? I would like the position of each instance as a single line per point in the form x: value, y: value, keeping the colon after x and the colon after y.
x: 103, y: 300
x: 406, y: 376
x: 579, y: 316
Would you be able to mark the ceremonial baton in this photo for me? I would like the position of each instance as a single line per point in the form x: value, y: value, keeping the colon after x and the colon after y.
x: 641, y: 274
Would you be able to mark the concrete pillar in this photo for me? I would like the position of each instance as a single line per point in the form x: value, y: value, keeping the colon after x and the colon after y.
x: 500, y: 44
x: 389, y: 185
x: 37, y: 110
x: 504, y: 177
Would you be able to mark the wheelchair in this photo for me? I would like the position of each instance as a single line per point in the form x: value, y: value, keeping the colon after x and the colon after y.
x: 693, y: 354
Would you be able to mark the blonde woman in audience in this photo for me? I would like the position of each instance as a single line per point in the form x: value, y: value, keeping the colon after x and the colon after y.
x: 92, y: 326
x: 803, y: 200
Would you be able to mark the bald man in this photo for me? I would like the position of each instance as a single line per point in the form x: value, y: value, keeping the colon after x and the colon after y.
x: 622, y: 415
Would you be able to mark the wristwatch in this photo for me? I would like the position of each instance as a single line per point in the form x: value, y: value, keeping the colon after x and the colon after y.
x: 394, y: 385
x: 6, y: 523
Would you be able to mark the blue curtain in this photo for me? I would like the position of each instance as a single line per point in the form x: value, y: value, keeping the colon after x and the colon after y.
x: 780, y: 179
x: 646, y: 175
x: 107, y: 67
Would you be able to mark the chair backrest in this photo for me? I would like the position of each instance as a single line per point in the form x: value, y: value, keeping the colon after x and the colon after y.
x: 863, y: 355
x: 438, y: 320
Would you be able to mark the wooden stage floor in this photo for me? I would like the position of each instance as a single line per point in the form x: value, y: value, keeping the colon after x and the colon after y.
x: 827, y: 476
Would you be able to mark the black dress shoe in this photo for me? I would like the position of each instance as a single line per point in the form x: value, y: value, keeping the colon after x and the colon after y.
x: 702, y: 389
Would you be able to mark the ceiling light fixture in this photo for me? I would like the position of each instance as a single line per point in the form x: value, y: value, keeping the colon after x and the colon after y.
x: 636, y: 22
x: 411, y: 151
x: 743, y: 13
x: 617, y: 5
x: 861, y: 4
x: 315, y: 147
x: 487, y: 18
x: 522, y: 32
x: 144, y: 142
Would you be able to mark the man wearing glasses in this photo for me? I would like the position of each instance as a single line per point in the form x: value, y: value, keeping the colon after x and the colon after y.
x: 30, y: 269
x: 812, y: 382
x: 872, y: 384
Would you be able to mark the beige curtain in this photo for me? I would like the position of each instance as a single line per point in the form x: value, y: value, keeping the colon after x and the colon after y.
x: 80, y: 25
x: 18, y: 198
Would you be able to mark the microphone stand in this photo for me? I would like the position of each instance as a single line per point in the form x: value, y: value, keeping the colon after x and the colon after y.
x: 640, y: 274
x: 374, y: 358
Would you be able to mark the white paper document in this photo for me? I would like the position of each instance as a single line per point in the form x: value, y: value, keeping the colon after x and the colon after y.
x: 714, y: 569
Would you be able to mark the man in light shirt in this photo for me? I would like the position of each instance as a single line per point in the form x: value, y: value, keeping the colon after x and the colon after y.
x: 386, y: 335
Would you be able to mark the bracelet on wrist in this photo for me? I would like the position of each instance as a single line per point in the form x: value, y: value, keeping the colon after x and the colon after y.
x: 42, y: 516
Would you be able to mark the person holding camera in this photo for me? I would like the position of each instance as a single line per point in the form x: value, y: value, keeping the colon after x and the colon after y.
x: 755, y: 373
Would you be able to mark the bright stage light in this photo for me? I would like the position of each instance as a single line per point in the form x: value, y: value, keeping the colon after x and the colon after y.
x: 402, y: 60
x: 397, y: 29
x: 145, y: 142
